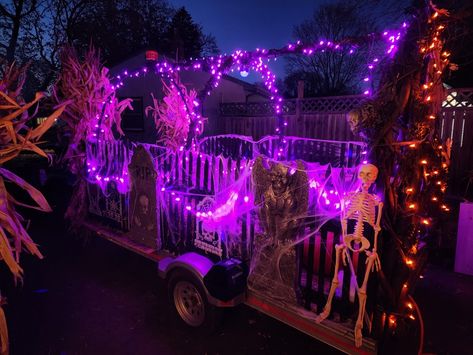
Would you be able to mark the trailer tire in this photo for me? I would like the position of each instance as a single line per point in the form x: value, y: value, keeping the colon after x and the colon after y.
x: 189, y: 302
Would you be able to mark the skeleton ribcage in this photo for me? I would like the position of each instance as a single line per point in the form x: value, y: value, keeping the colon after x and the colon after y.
x: 360, y: 215
x: 363, y: 204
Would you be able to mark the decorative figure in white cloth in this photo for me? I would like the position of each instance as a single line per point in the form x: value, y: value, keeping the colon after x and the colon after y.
x: 359, y: 206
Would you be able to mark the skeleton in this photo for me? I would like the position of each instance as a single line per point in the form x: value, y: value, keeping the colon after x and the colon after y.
x: 359, y: 206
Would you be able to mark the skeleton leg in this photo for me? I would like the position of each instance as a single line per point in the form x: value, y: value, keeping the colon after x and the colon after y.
x: 340, y: 250
x: 362, y: 301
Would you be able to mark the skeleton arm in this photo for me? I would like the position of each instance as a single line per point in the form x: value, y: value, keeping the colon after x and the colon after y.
x: 377, y: 228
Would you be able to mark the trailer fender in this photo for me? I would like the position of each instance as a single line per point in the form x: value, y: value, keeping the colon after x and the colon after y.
x: 197, y: 265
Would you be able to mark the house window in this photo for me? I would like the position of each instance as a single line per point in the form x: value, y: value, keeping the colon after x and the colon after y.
x: 133, y: 120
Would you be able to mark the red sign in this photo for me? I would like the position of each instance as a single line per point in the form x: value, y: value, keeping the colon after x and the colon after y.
x: 152, y: 55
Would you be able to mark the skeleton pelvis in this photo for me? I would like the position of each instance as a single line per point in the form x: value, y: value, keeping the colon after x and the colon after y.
x: 356, y: 244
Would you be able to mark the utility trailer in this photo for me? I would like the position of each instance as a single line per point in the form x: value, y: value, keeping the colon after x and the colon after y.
x: 178, y: 209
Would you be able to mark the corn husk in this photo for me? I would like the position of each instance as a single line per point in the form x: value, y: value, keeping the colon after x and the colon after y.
x: 16, y: 136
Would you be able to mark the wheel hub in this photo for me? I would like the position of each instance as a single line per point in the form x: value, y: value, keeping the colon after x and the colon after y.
x: 189, y: 303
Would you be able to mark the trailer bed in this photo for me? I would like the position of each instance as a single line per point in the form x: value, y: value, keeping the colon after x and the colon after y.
x: 337, y: 335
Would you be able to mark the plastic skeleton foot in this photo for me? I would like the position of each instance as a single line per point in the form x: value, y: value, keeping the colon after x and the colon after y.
x: 361, y: 207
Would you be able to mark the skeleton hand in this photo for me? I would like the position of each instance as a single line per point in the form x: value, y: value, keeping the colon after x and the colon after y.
x: 344, y: 257
x: 377, y: 262
x: 344, y: 253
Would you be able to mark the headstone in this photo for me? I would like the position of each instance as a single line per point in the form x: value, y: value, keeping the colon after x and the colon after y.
x: 110, y: 206
x: 114, y: 203
x: 94, y: 194
x: 143, y: 213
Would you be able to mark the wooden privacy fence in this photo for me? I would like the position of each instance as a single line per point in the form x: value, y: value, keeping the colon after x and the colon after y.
x: 319, y: 117
x: 326, y: 118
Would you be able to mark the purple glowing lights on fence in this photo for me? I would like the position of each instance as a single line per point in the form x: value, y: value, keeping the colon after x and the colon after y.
x: 234, y: 205
x: 121, y: 182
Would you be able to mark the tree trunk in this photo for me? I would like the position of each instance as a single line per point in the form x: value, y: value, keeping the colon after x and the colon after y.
x: 15, y: 32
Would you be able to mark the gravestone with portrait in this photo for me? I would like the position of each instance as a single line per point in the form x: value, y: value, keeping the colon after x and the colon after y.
x: 143, y: 213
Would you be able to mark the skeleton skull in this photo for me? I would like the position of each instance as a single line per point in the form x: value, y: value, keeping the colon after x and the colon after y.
x: 367, y: 174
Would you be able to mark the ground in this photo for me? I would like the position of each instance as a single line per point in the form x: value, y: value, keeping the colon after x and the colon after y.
x: 89, y: 296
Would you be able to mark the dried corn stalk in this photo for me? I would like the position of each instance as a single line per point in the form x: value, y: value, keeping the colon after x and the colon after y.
x: 173, y: 117
x: 93, y: 114
x: 16, y: 136
x: 3, y: 329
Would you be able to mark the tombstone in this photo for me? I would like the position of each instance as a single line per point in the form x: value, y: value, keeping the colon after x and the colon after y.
x: 114, y: 206
x: 208, y: 241
x: 94, y: 195
x: 143, y: 213
x: 109, y: 206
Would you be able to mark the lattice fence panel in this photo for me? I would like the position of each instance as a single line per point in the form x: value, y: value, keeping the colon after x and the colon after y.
x: 330, y: 104
x: 457, y: 98
x: 265, y: 108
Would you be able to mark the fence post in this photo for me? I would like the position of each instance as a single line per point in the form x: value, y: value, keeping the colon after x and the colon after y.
x: 298, y: 109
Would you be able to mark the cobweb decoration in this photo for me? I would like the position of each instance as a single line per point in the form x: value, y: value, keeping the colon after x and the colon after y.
x: 175, y: 118
x: 319, y: 191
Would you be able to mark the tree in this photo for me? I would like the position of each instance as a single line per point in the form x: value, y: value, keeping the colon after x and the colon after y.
x: 460, y: 40
x: 336, y: 72
x: 121, y: 28
x: 186, y: 39
x: 13, y: 17
x: 45, y: 33
x: 36, y: 30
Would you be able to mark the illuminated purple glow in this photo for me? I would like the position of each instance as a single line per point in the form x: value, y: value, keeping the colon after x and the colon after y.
x: 245, y: 61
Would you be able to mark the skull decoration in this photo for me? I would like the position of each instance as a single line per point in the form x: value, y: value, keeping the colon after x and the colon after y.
x: 367, y: 174
x: 279, y: 179
x: 207, y: 235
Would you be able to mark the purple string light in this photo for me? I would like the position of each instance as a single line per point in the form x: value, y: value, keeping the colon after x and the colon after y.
x: 256, y: 60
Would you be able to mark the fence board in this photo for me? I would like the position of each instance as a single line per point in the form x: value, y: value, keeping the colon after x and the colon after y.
x: 326, y: 118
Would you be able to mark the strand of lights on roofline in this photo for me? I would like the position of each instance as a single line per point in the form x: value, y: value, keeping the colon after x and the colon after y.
x: 244, y: 61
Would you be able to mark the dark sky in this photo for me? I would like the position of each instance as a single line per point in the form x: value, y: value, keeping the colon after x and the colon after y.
x: 248, y: 24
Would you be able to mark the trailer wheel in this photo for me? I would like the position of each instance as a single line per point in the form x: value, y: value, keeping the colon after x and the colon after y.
x: 189, y: 301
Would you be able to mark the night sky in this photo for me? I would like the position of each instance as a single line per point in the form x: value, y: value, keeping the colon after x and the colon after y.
x: 248, y: 24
